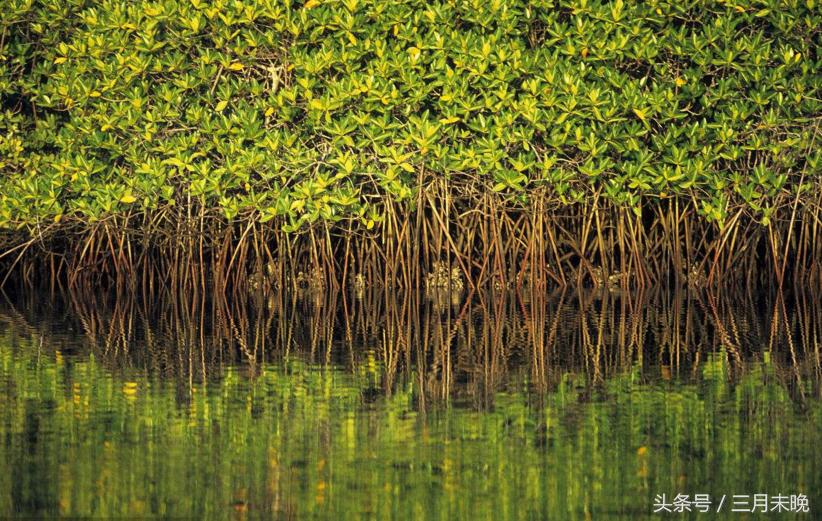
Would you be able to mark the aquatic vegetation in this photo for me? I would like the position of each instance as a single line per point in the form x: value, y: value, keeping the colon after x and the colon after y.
x: 178, y: 139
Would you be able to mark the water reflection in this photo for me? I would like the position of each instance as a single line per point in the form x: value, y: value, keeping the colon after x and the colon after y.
x: 501, y: 406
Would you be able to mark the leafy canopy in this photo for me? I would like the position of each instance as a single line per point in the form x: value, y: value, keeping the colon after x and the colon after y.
x: 319, y: 110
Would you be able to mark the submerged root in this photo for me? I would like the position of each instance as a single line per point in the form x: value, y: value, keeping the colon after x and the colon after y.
x: 696, y: 278
x: 263, y: 278
x: 612, y: 282
x: 443, y: 276
x: 313, y: 280
x: 358, y: 284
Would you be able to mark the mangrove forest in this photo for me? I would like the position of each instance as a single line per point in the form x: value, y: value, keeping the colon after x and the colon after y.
x: 200, y: 143
x: 410, y: 259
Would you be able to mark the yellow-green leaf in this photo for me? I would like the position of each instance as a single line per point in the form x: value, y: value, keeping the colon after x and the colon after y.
x: 316, y: 104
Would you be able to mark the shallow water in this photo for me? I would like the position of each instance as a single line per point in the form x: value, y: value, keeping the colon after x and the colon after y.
x: 506, y: 407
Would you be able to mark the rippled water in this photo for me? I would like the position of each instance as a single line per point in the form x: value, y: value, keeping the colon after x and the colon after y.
x: 506, y: 407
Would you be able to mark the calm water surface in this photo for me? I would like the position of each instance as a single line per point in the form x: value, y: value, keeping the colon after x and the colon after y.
x: 506, y: 407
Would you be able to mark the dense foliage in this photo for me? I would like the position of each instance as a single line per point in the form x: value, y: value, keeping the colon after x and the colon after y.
x: 321, y: 110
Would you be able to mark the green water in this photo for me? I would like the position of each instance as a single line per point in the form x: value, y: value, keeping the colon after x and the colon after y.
x: 550, y: 411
